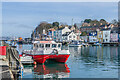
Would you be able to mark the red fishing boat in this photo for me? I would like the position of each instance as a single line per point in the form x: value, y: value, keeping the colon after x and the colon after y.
x: 43, y: 50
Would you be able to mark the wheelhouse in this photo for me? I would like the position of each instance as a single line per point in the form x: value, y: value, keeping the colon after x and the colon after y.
x: 51, y: 45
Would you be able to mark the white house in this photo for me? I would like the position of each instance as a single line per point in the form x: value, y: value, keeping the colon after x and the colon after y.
x: 106, y: 35
x: 58, y: 33
x: 69, y: 36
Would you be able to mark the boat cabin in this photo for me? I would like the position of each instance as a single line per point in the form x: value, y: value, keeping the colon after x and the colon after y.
x: 47, y: 44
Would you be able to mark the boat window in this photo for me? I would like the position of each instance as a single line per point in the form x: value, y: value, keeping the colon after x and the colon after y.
x: 47, y: 45
x: 36, y: 45
x: 53, y: 45
x: 41, y: 45
x: 59, y: 45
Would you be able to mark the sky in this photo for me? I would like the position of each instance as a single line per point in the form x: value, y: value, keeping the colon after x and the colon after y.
x: 20, y: 18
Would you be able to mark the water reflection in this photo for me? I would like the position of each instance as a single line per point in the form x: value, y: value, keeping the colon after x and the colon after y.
x: 93, y: 61
x: 84, y: 62
x: 56, y: 70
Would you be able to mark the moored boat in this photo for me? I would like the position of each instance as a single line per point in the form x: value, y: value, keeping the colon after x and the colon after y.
x: 97, y: 44
x: 43, y: 50
x: 75, y: 44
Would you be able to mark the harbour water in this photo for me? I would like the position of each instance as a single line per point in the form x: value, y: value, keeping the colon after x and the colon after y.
x: 84, y: 62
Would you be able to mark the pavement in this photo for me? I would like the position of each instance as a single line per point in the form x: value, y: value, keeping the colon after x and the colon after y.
x: 5, y: 72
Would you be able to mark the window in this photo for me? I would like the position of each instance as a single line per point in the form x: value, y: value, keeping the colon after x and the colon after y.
x: 53, y: 45
x: 41, y: 45
x: 105, y: 35
x: 73, y: 36
x: 59, y: 45
x: 69, y: 36
x: 106, y: 39
x: 47, y: 45
x: 34, y: 45
x: 37, y: 46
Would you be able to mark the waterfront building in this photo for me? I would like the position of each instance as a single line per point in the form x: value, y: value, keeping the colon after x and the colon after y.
x: 51, y: 33
x: 69, y: 36
x: 59, y: 32
x: 106, y: 35
x: 100, y: 36
x: 93, y: 37
x: 78, y: 33
x: 72, y: 28
x: 84, y: 38
x: 114, y: 34
x: 114, y: 37
x: 94, y: 28
x: 119, y: 37
x: 118, y: 34
x: 88, y: 29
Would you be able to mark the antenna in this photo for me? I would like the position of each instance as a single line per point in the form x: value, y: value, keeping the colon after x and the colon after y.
x: 72, y: 21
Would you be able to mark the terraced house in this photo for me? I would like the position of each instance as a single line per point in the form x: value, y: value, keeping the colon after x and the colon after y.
x: 93, y: 37
x: 69, y: 36
x: 100, y: 36
x: 106, y: 35
x: 59, y: 32
x: 114, y: 35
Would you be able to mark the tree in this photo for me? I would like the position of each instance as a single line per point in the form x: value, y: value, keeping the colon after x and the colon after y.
x: 104, y: 22
x: 55, y: 24
x: 41, y: 26
x: 95, y: 23
x: 84, y: 34
x: 87, y: 20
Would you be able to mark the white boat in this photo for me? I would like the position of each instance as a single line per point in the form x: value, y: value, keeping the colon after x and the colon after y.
x: 85, y: 44
x: 25, y: 59
x: 75, y: 44
x: 97, y: 44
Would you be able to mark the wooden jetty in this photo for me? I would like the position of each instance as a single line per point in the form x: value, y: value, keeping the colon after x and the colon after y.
x: 10, y: 64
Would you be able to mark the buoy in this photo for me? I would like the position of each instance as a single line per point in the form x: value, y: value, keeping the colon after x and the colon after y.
x: 35, y: 63
x: 35, y: 66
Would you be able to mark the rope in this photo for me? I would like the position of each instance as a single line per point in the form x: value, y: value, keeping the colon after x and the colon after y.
x: 4, y: 71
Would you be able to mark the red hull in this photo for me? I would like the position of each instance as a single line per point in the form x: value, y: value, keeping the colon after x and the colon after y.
x: 58, y: 58
x: 2, y: 50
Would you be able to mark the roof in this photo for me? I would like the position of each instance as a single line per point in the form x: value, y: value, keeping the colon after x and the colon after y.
x: 89, y: 27
x: 115, y: 30
x: 70, y: 27
x: 60, y: 28
x: 66, y: 34
x: 105, y: 29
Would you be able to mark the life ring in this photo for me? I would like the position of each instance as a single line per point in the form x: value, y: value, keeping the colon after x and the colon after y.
x: 23, y: 54
x: 55, y: 51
